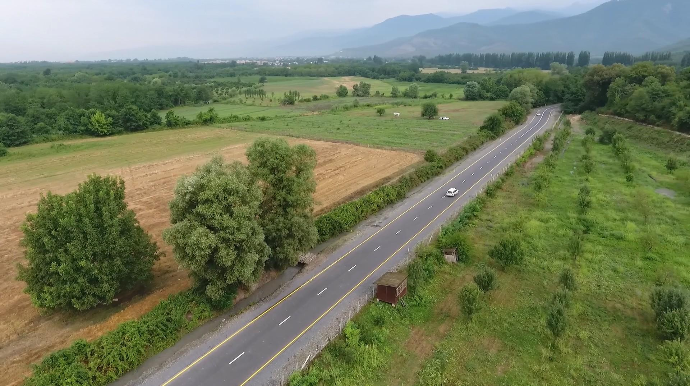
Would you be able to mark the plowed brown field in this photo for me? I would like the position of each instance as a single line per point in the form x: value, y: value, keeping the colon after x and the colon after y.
x: 343, y: 171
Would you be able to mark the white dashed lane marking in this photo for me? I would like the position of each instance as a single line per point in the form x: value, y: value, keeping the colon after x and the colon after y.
x: 285, y: 320
x: 238, y: 357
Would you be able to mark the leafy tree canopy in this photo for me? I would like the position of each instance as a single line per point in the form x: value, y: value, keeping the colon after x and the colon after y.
x: 84, y: 248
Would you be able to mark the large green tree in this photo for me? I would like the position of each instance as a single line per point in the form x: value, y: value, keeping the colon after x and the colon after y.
x: 473, y: 92
x: 100, y: 125
x: 85, y: 247
x: 494, y: 124
x: 523, y: 96
x: 514, y: 112
x: 429, y: 110
x: 286, y: 176
x: 215, y: 230
x: 341, y: 91
x: 13, y: 130
x: 362, y: 89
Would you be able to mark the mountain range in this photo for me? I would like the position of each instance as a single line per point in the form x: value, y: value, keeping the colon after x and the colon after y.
x: 681, y: 46
x: 634, y: 26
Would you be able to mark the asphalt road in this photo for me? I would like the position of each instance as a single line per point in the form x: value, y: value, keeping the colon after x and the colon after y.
x: 246, y: 351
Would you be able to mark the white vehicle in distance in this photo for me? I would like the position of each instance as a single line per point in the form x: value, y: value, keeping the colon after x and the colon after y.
x: 444, y: 119
x: 451, y: 192
x: 539, y: 114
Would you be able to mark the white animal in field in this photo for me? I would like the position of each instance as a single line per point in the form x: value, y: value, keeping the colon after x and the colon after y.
x: 396, y: 114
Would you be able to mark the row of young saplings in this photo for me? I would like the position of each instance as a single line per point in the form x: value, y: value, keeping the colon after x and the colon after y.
x: 671, y: 304
x: 510, y: 251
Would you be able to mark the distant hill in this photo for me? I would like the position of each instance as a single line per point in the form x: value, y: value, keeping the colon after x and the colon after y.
x: 400, y: 26
x: 527, y: 17
x: 393, y: 28
x: 681, y: 46
x: 634, y: 26
x: 483, y: 16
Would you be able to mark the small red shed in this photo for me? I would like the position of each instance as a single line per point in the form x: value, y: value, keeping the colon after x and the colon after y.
x: 391, y: 287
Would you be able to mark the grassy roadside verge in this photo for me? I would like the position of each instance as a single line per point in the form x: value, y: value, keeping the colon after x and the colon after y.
x: 107, y: 358
x: 610, y: 336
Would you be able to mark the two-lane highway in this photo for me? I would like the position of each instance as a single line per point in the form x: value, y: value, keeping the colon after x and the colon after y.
x: 239, y: 355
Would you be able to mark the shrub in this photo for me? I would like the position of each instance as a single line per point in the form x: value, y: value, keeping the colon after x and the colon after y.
x: 666, y: 299
x: 674, y: 324
x: 671, y: 164
x: 341, y: 91
x: 584, y: 200
x: 677, y: 355
x: 423, y: 268
x: 107, y: 358
x: 630, y: 178
x: 514, y: 112
x: 590, y: 131
x: 542, y: 178
x: 431, y: 156
x: 355, y: 103
x: 586, y: 224
x: 94, y: 225
x: 494, y: 124
x: 429, y: 110
x: 380, y: 111
x: 562, y: 297
x: 485, y: 279
x: 567, y: 279
x: 3, y: 150
x: 575, y: 245
x: 606, y: 137
x: 588, y: 163
x: 508, y: 251
x: 459, y: 242
x: 470, y: 301
x: 556, y: 319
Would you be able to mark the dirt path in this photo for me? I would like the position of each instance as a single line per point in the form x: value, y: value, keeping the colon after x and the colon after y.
x: 26, y: 336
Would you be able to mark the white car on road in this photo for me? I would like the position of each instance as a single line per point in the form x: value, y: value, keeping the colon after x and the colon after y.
x: 451, y: 192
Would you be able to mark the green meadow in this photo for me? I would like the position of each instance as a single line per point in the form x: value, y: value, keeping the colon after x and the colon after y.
x: 364, y: 126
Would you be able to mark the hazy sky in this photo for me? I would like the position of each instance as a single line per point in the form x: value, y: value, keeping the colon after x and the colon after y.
x: 73, y: 29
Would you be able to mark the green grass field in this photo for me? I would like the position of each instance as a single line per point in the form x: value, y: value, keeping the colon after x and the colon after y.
x: 611, y: 336
x: 364, y: 126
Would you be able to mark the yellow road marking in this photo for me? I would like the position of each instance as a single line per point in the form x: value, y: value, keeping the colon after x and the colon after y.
x: 338, y: 260
x: 381, y: 265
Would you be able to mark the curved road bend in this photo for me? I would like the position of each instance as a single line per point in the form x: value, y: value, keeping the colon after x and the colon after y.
x: 252, y: 347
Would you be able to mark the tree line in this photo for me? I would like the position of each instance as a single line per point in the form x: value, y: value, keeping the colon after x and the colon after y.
x: 630, y: 59
x: 541, y: 60
x: 101, y: 99
x: 645, y: 92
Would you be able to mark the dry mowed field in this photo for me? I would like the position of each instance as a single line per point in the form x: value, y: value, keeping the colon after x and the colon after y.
x: 150, y: 164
